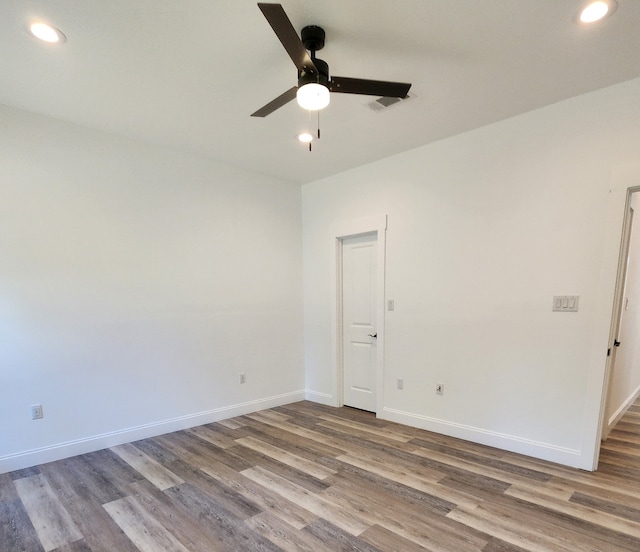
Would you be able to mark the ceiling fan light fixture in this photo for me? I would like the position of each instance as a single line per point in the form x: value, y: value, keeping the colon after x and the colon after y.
x: 305, y: 137
x: 313, y: 96
x: 314, y: 84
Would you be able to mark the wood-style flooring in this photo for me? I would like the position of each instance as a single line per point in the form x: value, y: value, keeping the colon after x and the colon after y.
x: 312, y: 478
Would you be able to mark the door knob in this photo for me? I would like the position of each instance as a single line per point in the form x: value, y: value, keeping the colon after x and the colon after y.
x: 374, y: 335
x: 616, y: 343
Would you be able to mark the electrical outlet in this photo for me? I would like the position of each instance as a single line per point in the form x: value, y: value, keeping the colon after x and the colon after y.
x: 400, y: 383
x: 36, y: 412
x: 440, y: 389
x: 243, y: 377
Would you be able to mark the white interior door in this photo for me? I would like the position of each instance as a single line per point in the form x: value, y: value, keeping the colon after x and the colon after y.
x: 359, y: 325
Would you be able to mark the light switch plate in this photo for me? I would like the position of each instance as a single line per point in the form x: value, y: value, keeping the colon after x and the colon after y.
x: 566, y: 303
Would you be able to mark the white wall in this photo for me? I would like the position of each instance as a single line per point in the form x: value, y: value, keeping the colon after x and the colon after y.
x: 483, y: 230
x: 136, y: 283
x: 624, y: 385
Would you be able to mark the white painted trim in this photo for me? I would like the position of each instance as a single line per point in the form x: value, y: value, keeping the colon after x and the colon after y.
x: 616, y: 317
x: 339, y: 231
x: 321, y: 398
x: 503, y: 441
x: 59, y: 451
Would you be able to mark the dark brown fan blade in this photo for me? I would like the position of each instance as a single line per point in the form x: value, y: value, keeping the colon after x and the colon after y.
x: 348, y: 85
x: 281, y: 100
x: 281, y: 25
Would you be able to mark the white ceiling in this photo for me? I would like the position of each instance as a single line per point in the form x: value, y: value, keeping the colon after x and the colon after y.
x: 188, y: 73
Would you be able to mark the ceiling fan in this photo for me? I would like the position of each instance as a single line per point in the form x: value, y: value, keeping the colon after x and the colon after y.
x: 314, y: 83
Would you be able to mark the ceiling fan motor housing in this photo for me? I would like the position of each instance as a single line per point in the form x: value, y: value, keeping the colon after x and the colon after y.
x: 321, y: 77
x: 313, y: 38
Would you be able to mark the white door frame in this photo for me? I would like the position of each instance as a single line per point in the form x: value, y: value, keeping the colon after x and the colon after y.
x: 623, y: 185
x: 616, y: 322
x: 377, y: 225
x: 616, y: 313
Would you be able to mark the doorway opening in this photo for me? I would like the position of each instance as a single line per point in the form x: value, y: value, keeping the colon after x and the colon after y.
x: 622, y: 386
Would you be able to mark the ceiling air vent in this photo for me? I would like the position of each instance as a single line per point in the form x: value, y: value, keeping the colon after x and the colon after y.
x: 385, y: 102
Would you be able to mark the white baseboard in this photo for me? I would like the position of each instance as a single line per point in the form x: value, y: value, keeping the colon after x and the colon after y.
x: 59, y: 451
x: 617, y: 415
x: 321, y: 398
x: 528, y: 447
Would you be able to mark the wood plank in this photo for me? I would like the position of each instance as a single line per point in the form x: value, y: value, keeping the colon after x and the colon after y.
x: 266, y: 500
x: 335, y: 445
x: 142, y: 527
x: 481, y: 464
x: 8, y: 491
x: 156, y: 449
x: 293, y: 460
x: 208, y: 434
x: 53, y: 524
x: 76, y: 494
x: 325, y: 531
x: 26, y: 472
x: 509, y: 530
x: 190, y: 450
x: 497, y: 545
x: 429, y: 529
x: 16, y: 530
x: 277, y: 530
x: 75, y: 476
x: 223, y: 528
x: 278, y: 434
x: 601, y: 518
x: 345, y: 519
x: 383, y: 539
x: 372, y: 433
x: 354, y: 478
x: 231, y: 424
x: 578, y: 477
x: 609, y: 506
x: 238, y: 454
x: 160, y: 476
x: 570, y: 488
x: 563, y: 530
x: 170, y: 513
x: 77, y: 546
x: 223, y: 495
x: 272, y: 415
x: 401, y: 476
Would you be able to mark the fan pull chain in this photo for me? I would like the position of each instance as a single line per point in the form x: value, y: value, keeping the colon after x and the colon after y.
x: 318, y: 124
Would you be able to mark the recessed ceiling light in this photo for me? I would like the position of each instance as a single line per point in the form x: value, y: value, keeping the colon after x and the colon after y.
x: 46, y: 32
x: 595, y: 11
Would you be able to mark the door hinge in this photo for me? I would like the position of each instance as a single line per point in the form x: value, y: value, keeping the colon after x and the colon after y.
x: 608, y: 352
